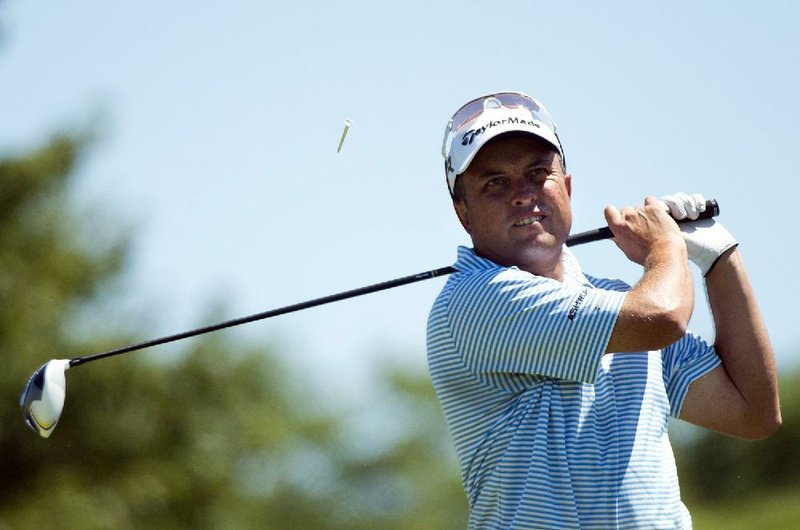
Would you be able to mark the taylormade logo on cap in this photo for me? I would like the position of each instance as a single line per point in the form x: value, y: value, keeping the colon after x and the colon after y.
x: 472, y: 133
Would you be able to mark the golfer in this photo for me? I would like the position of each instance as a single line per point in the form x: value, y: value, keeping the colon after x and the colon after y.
x: 557, y: 385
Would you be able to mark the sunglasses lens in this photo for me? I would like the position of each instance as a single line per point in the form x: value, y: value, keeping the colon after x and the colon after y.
x: 510, y: 100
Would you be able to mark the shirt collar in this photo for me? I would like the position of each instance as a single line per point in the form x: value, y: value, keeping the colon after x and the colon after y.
x: 468, y: 260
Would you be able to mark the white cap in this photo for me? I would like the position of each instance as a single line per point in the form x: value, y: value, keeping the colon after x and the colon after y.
x: 500, y: 113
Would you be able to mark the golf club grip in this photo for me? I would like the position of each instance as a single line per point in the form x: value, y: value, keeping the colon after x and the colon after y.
x: 712, y: 210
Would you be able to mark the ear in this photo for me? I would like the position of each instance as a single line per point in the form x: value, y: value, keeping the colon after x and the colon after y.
x: 568, y: 184
x: 462, y: 212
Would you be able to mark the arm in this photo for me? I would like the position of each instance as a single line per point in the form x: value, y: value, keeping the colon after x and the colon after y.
x: 739, y: 397
x: 657, y: 310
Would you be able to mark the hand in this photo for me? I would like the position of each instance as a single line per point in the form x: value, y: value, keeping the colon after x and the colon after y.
x: 684, y: 206
x: 639, y: 231
x: 706, y: 240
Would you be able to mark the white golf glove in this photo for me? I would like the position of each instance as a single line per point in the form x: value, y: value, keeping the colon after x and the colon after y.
x: 706, y: 239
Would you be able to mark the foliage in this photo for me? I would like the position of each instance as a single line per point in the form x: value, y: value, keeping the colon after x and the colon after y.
x: 220, y: 436
x: 778, y: 510
x: 732, y: 483
x: 717, y: 467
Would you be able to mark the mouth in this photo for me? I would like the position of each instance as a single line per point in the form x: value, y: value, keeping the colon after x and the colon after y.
x: 525, y: 221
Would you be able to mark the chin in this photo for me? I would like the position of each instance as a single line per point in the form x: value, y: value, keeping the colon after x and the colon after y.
x: 542, y: 248
x: 544, y: 240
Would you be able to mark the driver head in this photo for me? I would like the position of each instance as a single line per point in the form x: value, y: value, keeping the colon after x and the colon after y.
x: 43, y: 398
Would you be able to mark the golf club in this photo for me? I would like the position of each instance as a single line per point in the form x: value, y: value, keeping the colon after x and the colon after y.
x: 42, y: 400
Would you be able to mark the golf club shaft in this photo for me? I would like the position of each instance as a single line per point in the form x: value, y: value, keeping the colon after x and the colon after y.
x: 712, y: 210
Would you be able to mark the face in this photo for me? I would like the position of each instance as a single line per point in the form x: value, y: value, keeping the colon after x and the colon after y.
x: 514, y: 202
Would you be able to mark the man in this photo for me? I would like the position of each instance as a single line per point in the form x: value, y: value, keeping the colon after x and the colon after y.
x: 557, y: 386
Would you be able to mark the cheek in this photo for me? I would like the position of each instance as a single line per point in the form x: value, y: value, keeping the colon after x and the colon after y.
x: 558, y: 192
x: 463, y: 215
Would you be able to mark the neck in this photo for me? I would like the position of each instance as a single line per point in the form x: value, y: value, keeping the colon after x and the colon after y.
x: 553, y: 269
x: 545, y: 264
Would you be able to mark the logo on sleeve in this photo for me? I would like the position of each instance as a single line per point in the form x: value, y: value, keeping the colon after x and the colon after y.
x: 573, y: 311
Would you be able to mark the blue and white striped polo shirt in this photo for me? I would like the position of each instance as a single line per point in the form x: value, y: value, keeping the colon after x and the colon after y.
x: 549, y: 431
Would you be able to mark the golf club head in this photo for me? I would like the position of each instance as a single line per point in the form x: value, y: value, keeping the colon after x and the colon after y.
x: 43, y: 398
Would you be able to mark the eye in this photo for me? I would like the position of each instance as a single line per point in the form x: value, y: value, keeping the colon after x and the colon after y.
x: 539, y: 175
x: 493, y: 183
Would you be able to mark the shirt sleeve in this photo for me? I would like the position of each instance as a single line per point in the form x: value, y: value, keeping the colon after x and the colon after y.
x: 684, y: 362
x: 512, y: 322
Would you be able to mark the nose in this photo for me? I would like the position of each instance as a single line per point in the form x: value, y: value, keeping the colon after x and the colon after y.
x: 524, y: 192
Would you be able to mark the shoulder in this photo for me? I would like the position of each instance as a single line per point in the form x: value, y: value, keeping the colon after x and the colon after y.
x: 608, y: 284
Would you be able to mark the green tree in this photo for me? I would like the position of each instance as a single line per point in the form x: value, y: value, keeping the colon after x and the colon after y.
x: 719, y: 467
x: 127, y: 453
x: 216, y: 435
x: 732, y: 483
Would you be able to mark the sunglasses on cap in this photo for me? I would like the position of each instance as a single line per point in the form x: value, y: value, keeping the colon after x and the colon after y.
x: 471, y: 110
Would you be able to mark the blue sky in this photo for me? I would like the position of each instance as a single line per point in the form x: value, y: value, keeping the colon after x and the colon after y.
x: 220, y: 124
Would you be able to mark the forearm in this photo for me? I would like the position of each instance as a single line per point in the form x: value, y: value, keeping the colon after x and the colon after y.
x: 666, y: 282
x: 657, y: 310
x: 743, y: 344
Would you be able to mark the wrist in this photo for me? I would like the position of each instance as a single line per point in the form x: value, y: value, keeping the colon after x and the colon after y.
x: 667, y: 250
x: 673, y: 245
x: 706, y: 241
x: 727, y: 260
